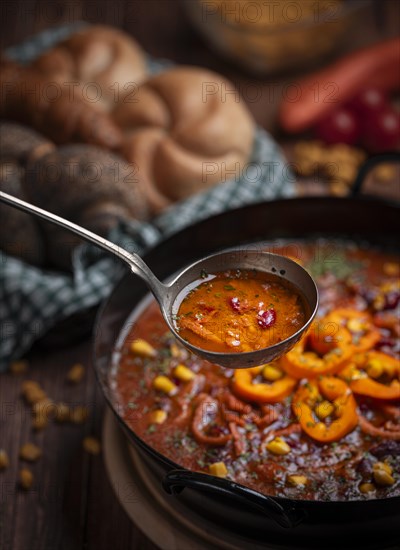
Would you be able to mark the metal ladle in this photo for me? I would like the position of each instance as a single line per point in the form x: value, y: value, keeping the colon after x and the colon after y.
x: 168, y: 295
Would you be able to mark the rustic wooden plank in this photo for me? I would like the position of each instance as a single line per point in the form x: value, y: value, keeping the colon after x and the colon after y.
x: 11, y: 424
x: 61, y: 474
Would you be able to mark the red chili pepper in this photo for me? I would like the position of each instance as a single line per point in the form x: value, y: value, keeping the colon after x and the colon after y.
x: 321, y: 92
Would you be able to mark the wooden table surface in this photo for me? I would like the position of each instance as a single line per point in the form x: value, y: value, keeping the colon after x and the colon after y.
x: 72, y: 504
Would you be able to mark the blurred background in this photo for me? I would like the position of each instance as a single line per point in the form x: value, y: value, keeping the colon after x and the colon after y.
x: 264, y: 49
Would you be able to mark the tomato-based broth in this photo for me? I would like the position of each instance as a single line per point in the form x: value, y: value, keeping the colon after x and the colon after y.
x: 322, y: 422
x: 239, y: 311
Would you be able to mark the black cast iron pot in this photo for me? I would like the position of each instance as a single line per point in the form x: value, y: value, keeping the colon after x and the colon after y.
x: 279, y: 521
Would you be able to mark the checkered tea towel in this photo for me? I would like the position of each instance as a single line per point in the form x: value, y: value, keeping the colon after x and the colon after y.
x: 33, y: 300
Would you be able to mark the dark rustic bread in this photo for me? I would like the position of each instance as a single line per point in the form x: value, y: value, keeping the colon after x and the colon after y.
x: 85, y: 184
x: 21, y: 144
x: 19, y: 232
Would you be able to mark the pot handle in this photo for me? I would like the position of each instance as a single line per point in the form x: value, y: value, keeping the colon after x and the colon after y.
x: 285, y: 515
x: 369, y: 164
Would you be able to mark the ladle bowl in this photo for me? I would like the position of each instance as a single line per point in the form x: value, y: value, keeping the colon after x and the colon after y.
x: 169, y: 295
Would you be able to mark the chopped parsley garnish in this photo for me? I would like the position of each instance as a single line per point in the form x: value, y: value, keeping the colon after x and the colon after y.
x: 339, y: 265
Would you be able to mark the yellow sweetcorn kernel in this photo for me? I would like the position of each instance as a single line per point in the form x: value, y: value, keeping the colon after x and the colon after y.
x: 324, y: 409
x: 158, y: 416
x: 76, y: 373
x: 164, y: 384
x: 4, y: 460
x: 141, y: 348
x: 272, y: 373
x: 32, y: 392
x: 183, y: 373
x: 218, y: 469
x: 25, y: 478
x: 42, y: 411
x: 379, y: 302
x: 367, y: 488
x: 79, y: 414
x: 382, y: 466
x: 297, y: 480
x: 278, y: 446
x: 383, y: 478
x: 91, y: 445
x: 30, y: 452
x: 62, y: 412
x: 357, y: 325
x: 374, y: 368
x: 382, y: 473
x: 175, y: 350
x: 29, y: 385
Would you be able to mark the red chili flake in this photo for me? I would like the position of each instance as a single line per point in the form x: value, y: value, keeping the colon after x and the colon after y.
x: 266, y: 318
x: 234, y: 303
x: 237, y: 305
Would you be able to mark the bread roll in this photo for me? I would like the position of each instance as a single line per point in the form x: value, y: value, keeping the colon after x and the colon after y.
x: 107, y: 62
x: 59, y: 111
x: 187, y: 130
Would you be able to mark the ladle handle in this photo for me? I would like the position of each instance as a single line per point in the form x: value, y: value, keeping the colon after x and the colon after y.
x: 135, y: 262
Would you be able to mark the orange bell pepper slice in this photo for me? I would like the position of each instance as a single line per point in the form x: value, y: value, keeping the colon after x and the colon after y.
x: 274, y: 392
x: 373, y: 374
x: 323, y: 350
x: 359, y: 323
x: 344, y: 406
